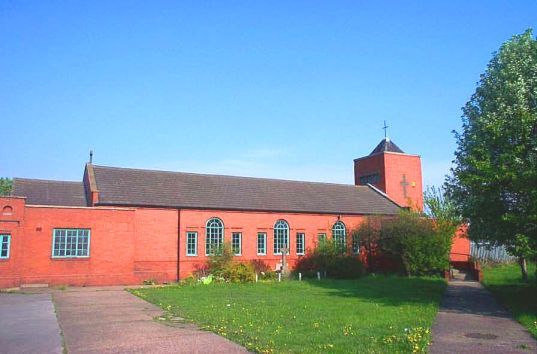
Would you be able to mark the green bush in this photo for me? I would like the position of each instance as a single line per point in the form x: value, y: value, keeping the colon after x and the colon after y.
x: 222, y: 266
x: 327, y: 258
x: 263, y: 270
x: 239, y: 273
x: 422, y: 245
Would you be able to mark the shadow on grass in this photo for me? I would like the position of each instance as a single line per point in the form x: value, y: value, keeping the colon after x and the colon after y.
x: 388, y: 290
x: 505, y: 282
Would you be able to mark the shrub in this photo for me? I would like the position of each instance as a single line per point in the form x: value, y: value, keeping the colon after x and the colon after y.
x: 422, y: 246
x: 222, y: 265
x: 239, y: 273
x: 222, y: 259
x: 263, y: 270
x: 326, y: 258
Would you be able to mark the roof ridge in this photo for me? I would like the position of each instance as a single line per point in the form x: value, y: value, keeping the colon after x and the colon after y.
x: 44, y: 180
x: 228, y: 176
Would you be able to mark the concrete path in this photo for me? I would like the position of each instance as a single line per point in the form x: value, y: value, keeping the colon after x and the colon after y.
x: 471, y: 321
x: 28, y: 324
x: 111, y: 320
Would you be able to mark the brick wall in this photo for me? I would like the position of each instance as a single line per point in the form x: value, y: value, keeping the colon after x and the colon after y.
x: 249, y: 224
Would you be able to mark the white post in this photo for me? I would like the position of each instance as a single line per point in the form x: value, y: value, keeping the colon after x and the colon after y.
x: 318, y: 275
x: 256, y: 277
x: 299, y: 276
x: 280, y: 276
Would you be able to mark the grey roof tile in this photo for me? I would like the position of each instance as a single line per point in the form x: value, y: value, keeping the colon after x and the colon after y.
x: 136, y: 187
x: 46, y: 192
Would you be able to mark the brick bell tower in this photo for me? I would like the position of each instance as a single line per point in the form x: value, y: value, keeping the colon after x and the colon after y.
x: 392, y: 171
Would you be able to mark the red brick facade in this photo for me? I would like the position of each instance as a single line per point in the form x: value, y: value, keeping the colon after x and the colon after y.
x: 131, y: 244
x: 399, y: 176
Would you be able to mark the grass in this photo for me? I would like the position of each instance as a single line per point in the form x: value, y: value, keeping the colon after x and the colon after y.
x: 370, y: 315
x: 505, y: 282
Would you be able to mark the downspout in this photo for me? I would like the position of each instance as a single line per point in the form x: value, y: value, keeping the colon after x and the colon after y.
x: 178, y: 241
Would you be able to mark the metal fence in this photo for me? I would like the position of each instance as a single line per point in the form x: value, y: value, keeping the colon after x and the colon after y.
x: 484, y: 252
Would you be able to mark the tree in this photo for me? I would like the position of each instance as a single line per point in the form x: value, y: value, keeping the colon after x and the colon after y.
x: 6, y: 185
x: 440, y: 207
x: 494, y: 181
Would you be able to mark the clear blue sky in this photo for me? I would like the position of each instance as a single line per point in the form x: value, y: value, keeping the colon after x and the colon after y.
x: 292, y: 90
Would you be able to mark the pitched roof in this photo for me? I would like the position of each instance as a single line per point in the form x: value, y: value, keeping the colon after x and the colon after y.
x: 45, y: 192
x: 386, y: 145
x: 135, y: 187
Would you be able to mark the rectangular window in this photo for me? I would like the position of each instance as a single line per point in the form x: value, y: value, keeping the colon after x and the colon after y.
x: 192, y: 243
x: 321, y: 238
x: 236, y: 243
x: 5, y: 240
x: 70, y: 243
x: 261, y: 243
x: 355, y: 244
x: 300, y: 243
x: 371, y: 179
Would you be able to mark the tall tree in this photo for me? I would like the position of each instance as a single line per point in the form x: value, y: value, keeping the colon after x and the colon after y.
x: 5, y: 186
x: 494, y: 181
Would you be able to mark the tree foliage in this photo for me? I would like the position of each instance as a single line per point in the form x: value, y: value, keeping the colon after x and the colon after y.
x: 6, y: 184
x: 422, y: 244
x: 494, y: 181
x: 442, y: 209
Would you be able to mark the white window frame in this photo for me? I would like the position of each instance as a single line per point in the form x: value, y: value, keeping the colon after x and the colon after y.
x: 195, y: 234
x: 210, y: 232
x: 281, y: 226
x: 4, y: 237
x: 355, y: 242
x: 302, y: 237
x: 264, y: 235
x: 340, y: 230
x: 233, y: 235
x: 76, y: 244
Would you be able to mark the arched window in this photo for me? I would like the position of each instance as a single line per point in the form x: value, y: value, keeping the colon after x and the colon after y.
x: 281, y: 236
x: 214, y: 236
x: 338, y: 235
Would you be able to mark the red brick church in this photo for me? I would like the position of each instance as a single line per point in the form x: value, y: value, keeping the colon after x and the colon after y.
x: 124, y: 226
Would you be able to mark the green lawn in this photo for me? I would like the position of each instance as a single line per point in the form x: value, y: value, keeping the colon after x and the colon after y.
x: 370, y: 315
x: 521, y: 298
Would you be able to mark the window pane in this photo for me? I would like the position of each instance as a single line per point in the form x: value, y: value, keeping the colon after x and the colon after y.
x: 214, y: 236
x: 71, y: 243
x: 4, y: 245
x: 300, y: 240
x: 261, y: 243
x: 192, y: 244
x: 281, y: 237
x: 338, y: 235
x: 236, y: 240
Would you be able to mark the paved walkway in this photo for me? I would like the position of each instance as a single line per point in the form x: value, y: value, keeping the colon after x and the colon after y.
x: 471, y: 321
x: 111, y: 320
x: 28, y: 324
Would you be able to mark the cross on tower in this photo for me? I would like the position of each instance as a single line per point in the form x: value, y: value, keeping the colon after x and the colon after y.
x: 385, y: 127
x: 404, y: 184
